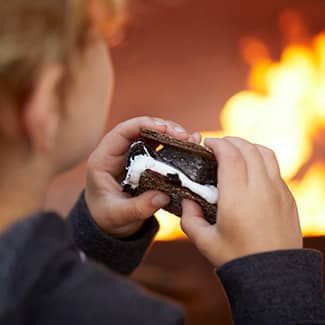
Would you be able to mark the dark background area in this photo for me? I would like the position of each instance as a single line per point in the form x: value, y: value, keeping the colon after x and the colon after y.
x: 180, y: 60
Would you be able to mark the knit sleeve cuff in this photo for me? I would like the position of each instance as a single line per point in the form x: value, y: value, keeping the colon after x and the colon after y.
x: 277, y: 287
x: 120, y: 255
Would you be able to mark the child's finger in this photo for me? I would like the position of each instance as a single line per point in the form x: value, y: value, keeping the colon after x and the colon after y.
x: 205, y: 236
x: 232, y: 170
x: 254, y: 161
x: 118, y: 140
x: 110, y: 154
x: 193, y: 223
x: 195, y: 137
x: 270, y: 162
x: 176, y: 130
x: 142, y: 206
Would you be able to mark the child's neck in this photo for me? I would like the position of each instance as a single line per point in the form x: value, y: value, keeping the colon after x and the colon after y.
x: 23, y: 187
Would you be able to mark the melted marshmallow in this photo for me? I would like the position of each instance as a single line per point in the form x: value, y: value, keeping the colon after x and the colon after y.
x: 140, y: 163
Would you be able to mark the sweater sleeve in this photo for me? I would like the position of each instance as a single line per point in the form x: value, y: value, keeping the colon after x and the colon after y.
x: 281, y: 287
x: 72, y: 291
x: 120, y: 255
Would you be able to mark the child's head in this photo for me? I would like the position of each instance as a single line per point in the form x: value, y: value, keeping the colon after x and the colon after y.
x: 56, y: 78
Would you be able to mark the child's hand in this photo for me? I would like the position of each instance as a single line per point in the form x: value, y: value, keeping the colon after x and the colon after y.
x: 114, y: 211
x: 256, y: 211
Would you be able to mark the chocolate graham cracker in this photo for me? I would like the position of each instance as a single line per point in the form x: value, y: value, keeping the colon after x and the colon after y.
x: 151, y: 180
x: 195, y: 161
x: 166, y: 139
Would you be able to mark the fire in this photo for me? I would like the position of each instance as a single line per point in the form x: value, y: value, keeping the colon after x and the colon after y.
x: 284, y: 109
x: 310, y: 196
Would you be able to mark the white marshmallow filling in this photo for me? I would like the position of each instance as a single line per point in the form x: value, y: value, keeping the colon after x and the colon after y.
x: 140, y: 163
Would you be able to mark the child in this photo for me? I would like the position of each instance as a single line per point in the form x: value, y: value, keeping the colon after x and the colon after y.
x: 56, y: 81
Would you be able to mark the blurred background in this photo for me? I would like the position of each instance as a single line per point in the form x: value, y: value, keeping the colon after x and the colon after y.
x: 241, y: 67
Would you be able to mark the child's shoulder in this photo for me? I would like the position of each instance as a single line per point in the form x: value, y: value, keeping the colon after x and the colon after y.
x: 25, y: 251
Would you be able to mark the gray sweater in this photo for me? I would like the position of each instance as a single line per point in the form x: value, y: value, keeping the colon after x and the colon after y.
x: 58, y: 272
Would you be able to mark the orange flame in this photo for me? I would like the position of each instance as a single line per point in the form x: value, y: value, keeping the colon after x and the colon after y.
x: 284, y: 109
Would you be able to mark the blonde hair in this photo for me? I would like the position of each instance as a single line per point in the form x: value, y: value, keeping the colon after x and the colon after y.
x: 34, y: 32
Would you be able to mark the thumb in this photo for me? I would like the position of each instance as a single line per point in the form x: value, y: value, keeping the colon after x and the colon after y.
x: 203, y: 234
x: 192, y: 222
x: 143, y: 206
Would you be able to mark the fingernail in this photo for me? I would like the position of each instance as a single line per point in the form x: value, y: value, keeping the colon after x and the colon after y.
x: 196, y: 136
x: 160, y: 200
x: 179, y: 129
x: 159, y: 121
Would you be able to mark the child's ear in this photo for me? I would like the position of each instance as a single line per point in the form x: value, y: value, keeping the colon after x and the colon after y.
x: 41, y: 114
